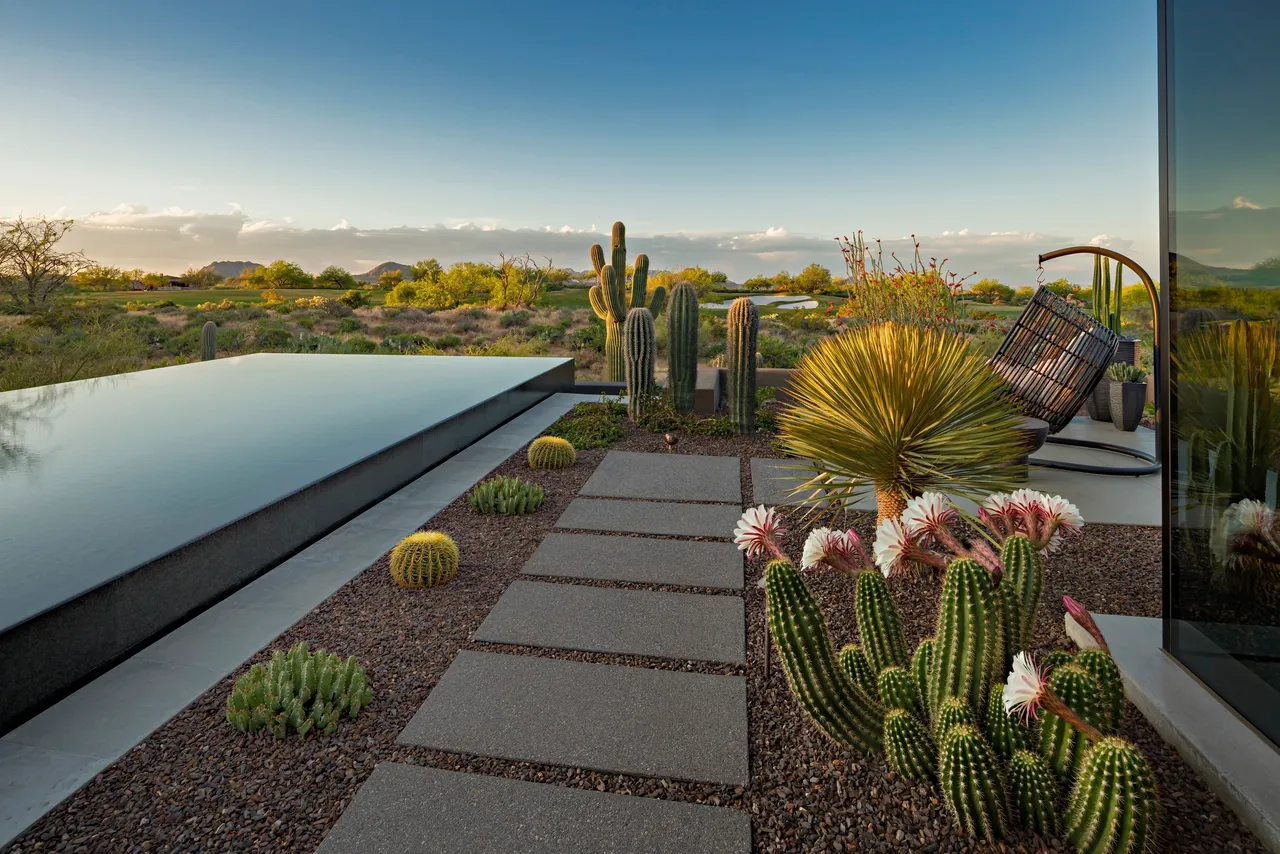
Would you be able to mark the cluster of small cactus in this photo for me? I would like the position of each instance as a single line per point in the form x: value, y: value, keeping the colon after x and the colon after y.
x: 298, y: 690
x: 609, y: 297
x: 506, y: 496
x: 551, y: 452
x: 208, y: 341
x: 424, y: 559
x: 641, y: 350
x: 944, y: 712
x: 742, y: 328
x: 682, y: 346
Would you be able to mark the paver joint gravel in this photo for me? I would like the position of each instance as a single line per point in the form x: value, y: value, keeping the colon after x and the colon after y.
x: 638, y: 559
x: 651, y: 517
x: 669, y: 477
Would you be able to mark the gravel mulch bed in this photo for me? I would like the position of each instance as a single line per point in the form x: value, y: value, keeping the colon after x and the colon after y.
x: 197, y: 785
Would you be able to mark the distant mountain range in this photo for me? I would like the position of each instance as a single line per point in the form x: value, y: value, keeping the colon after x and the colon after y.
x: 1242, y: 239
x: 374, y: 274
x: 231, y: 269
x: 1193, y: 274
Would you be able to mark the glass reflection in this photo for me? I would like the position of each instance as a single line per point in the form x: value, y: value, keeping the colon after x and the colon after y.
x: 1223, y: 233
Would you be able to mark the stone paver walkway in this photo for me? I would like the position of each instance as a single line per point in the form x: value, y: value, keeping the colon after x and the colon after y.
x: 610, y: 718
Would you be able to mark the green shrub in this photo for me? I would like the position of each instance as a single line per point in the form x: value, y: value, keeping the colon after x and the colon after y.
x: 507, y: 496
x: 298, y: 690
x: 408, y: 342
x: 514, y: 318
x: 359, y: 344
x: 777, y: 353
x: 592, y: 425
x: 474, y: 312
x: 354, y: 299
x: 510, y: 345
x: 548, y: 333
x: 350, y: 324
x: 448, y: 340
x: 589, y: 337
x: 271, y: 336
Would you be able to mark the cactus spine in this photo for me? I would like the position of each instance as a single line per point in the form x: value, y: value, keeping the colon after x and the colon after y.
x: 1034, y: 791
x: 907, y: 746
x: 1114, y: 808
x: 1006, y: 735
x: 921, y: 664
x: 878, y: 622
x: 897, y: 691
x: 839, y: 708
x: 971, y: 783
x: 682, y: 346
x: 424, y: 559
x: 742, y: 329
x: 962, y: 654
x: 1104, y: 671
x: 638, y: 336
x: 208, y: 341
x: 1024, y: 575
x: 854, y: 664
x: 1060, y: 742
x: 609, y: 297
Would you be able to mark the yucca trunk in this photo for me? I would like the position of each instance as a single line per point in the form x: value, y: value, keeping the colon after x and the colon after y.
x: 889, y: 503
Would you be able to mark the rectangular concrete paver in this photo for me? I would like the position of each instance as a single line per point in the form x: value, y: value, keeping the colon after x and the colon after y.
x: 651, y: 517
x: 773, y: 479
x: 626, y: 622
x: 669, y: 477
x: 638, y: 559
x: 407, y: 809
x: 600, y: 717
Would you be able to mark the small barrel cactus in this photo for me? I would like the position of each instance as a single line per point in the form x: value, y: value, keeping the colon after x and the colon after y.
x: 972, y: 785
x: 298, y: 690
x: 424, y: 559
x: 1114, y: 806
x: 640, y: 351
x: 551, y: 452
x: 1102, y: 667
x: 682, y: 346
x: 907, y: 747
x: 742, y: 328
x: 878, y: 622
x: 1034, y: 791
x: 208, y: 341
x: 507, y: 496
x: 854, y: 663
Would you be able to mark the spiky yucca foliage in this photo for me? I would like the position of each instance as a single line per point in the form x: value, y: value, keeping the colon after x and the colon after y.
x: 551, y: 452
x: 424, y: 559
x: 299, y: 690
x: 1034, y: 791
x: 1113, y: 807
x: 853, y: 661
x: 907, y: 746
x: 507, y: 496
x: 899, y: 410
x: 972, y: 784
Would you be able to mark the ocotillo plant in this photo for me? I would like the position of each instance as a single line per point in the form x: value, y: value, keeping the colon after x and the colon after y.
x: 208, y: 341
x: 682, y: 346
x: 610, y: 301
x: 742, y: 329
x: 638, y: 335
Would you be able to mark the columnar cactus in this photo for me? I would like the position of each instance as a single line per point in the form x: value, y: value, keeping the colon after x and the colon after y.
x: 1034, y: 792
x: 897, y: 691
x: 1057, y: 658
x: 907, y: 747
x: 1024, y: 575
x: 609, y: 297
x: 838, y: 707
x: 1061, y: 743
x: 1104, y: 671
x: 953, y: 712
x: 921, y: 665
x: 208, y: 341
x: 962, y: 657
x: 1007, y: 736
x: 853, y: 661
x: 1113, y: 808
x: 1007, y: 615
x: 298, y: 690
x: 742, y: 327
x: 424, y: 559
x: 972, y: 784
x: 638, y: 336
x: 551, y: 452
x: 682, y: 346
x: 878, y: 622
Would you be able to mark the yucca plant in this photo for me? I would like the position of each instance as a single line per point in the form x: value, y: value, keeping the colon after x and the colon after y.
x: 899, y: 409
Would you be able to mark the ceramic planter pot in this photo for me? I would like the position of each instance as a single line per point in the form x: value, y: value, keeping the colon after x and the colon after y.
x: 1098, y: 404
x: 1127, y: 401
x: 1128, y: 351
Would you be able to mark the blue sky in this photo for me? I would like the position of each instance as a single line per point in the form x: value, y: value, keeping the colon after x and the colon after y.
x: 179, y: 130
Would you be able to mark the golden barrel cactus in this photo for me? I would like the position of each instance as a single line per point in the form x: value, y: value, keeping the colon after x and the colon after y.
x: 424, y: 559
x: 551, y: 452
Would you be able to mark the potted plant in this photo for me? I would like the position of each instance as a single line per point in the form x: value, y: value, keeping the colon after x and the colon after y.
x: 1128, y: 395
x: 1098, y: 404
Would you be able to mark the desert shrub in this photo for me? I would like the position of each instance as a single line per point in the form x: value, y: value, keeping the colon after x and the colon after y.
x: 164, y: 303
x: 592, y: 425
x: 316, y: 344
x: 474, y: 312
x: 307, y: 323
x: 359, y: 344
x: 548, y: 333
x: 777, y: 353
x: 354, y: 299
x: 405, y: 342
x: 509, y: 319
x: 448, y: 340
x: 350, y: 324
x: 271, y: 336
x: 384, y: 330
x: 509, y: 345
x: 803, y: 320
x: 589, y: 337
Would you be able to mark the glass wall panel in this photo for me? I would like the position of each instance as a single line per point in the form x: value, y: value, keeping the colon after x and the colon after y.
x: 1220, y: 101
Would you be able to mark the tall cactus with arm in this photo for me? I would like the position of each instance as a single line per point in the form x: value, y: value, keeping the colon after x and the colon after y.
x: 609, y: 297
x: 682, y: 346
x: 638, y: 337
x: 742, y: 328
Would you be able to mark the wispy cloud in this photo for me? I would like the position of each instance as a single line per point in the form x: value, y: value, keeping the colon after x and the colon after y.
x: 172, y: 239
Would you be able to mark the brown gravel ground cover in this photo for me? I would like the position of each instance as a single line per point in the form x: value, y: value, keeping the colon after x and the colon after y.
x: 197, y: 785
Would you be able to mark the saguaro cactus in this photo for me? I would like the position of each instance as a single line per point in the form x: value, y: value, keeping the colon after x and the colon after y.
x: 962, y: 655
x: 609, y: 297
x: 838, y: 707
x: 742, y: 329
x: 638, y: 336
x: 682, y: 346
x: 208, y: 341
